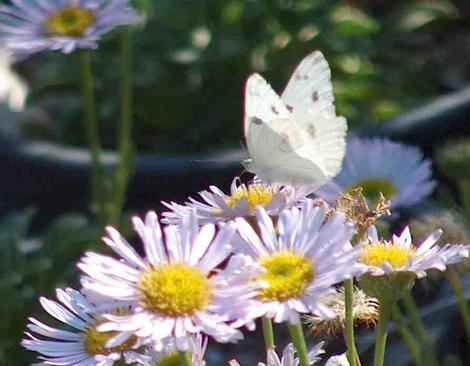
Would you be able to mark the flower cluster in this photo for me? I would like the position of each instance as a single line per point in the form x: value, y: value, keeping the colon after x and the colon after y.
x: 198, y: 278
x: 265, y: 252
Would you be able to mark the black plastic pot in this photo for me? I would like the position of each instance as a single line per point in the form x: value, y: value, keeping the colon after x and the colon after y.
x: 54, y: 179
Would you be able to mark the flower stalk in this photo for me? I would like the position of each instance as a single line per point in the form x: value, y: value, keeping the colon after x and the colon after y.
x: 454, y: 281
x: 124, y: 168
x: 298, y: 339
x: 381, y: 338
x: 464, y: 187
x: 418, y: 327
x: 407, y: 336
x: 91, y: 126
x: 268, y: 333
x: 349, y: 321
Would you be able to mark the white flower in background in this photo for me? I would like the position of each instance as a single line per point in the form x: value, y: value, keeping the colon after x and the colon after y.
x: 169, y: 354
x: 380, y: 165
x: 288, y: 357
x: 303, y: 256
x: 27, y: 27
x: 242, y: 201
x: 401, y: 255
x: 80, y: 343
x: 339, y: 360
x: 178, y: 288
x: 13, y: 90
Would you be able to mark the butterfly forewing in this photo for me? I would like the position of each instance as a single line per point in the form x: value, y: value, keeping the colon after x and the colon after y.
x: 310, y: 88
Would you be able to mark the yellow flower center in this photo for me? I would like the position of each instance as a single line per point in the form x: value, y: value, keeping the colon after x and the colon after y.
x: 95, y: 342
x: 287, y: 275
x: 175, y: 290
x: 70, y: 21
x: 378, y: 253
x: 255, y: 195
x: 372, y: 187
x: 170, y: 359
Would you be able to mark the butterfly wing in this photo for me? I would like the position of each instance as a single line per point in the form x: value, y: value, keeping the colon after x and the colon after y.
x: 296, y: 138
x: 262, y: 104
x: 309, y: 93
x: 310, y: 88
x: 282, y: 152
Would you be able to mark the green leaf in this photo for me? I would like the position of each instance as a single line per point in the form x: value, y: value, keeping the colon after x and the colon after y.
x: 352, y: 21
x: 419, y: 14
x: 13, y: 228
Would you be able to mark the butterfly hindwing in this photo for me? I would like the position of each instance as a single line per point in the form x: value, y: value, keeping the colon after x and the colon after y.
x: 281, y: 151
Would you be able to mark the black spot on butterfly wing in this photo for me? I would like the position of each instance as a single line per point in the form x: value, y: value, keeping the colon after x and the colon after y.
x: 274, y: 110
x: 311, y: 130
x: 290, y: 108
x: 256, y: 120
x: 315, y: 96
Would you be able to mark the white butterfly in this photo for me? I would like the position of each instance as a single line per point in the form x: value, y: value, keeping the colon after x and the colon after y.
x: 296, y: 138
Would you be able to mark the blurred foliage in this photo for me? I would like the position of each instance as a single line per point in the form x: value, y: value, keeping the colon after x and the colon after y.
x: 30, y: 268
x: 191, y: 59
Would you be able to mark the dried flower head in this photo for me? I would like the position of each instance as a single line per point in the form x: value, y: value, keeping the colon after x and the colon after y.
x: 365, y: 311
x: 354, y: 205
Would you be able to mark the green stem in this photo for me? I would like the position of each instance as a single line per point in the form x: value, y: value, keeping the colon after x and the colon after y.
x: 185, y: 358
x: 454, y: 280
x: 91, y: 126
x: 125, y: 129
x: 381, y: 338
x: 416, y: 321
x: 407, y: 336
x: 268, y: 333
x: 298, y: 339
x: 419, y: 329
x: 464, y: 186
x: 349, y: 321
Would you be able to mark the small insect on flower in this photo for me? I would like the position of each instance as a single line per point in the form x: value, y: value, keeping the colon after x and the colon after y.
x: 303, y: 256
x: 83, y: 344
x: 178, y: 288
x: 397, y: 171
x: 28, y: 27
x: 241, y: 202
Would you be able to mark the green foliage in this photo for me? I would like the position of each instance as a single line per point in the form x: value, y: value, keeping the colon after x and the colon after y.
x: 191, y: 61
x: 33, y: 267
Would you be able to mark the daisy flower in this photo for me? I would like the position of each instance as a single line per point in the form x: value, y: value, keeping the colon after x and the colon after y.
x: 379, y: 165
x: 384, y: 257
x: 27, y: 27
x: 303, y: 256
x: 81, y: 343
x: 288, y: 357
x: 242, y: 201
x: 178, y: 288
x: 170, y: 356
